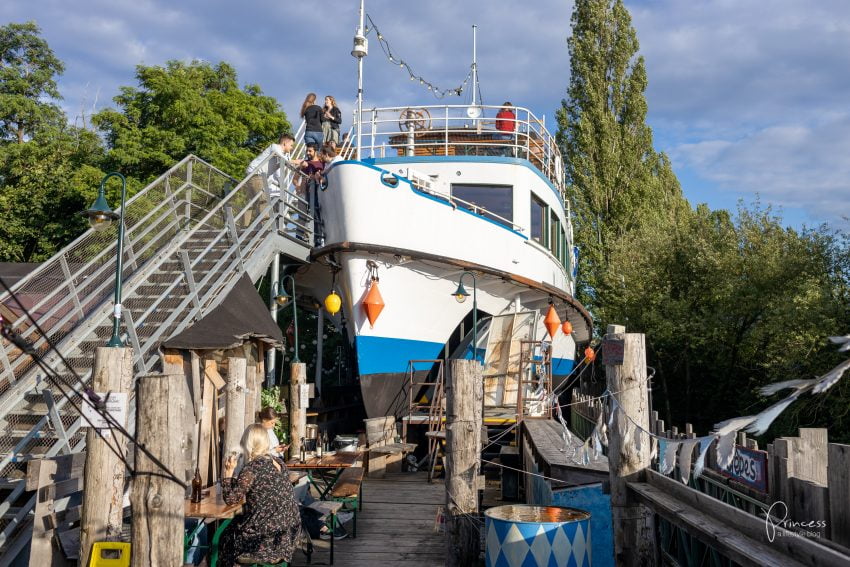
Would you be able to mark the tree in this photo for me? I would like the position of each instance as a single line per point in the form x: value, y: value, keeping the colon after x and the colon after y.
x: 46, y: 182
x: 185, y: 108
x: 617, y: 180
x: 28, y: 70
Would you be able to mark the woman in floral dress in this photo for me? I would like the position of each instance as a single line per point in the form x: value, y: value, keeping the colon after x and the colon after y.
x: 268, y: 528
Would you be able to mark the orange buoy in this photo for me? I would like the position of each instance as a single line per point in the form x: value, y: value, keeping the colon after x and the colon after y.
x: 567, y: 327
x: 373, y: 303
x: 552, y: 321
x: 589, y: 354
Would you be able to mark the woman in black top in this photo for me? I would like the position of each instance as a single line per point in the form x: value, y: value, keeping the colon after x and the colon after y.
x: 267, y: 530
x: 312, y: 115
x: 331, y: 119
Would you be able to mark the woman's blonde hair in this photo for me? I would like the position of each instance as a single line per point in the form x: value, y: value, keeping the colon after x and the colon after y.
x: 309, y: 101
x: 333, y: 100
x: 255, y: 441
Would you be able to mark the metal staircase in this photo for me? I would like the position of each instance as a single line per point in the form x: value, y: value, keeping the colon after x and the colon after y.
x: 189, y: 236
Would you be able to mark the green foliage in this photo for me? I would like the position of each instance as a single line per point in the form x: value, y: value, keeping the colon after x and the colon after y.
x: 184, y: 108
x: 28, y: 70
x: 727, y: 303
x: 617, y: 179
x: 45, y: 183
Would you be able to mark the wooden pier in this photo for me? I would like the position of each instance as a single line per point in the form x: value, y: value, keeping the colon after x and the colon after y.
x: 395, y: 527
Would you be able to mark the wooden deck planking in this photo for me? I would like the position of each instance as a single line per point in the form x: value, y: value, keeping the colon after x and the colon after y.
x: 395, y: 527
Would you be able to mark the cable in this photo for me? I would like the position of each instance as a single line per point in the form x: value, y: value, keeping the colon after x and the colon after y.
x: 395, y: 60
x: 87, y: 394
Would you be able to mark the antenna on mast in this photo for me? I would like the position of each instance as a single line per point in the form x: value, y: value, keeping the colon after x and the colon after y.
x: 474, y: 111
x: 359, y: 51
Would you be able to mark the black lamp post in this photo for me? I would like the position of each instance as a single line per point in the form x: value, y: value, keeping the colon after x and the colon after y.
x: 100, y: 217
x: 460, y: 295
x: 281, y: 298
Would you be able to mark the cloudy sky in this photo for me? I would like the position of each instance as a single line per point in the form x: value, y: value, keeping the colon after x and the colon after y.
x: 750, y: 98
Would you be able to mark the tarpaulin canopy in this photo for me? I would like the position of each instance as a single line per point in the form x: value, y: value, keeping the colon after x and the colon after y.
x: 241, y: 316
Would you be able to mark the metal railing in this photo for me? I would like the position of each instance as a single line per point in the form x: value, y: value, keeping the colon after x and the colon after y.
x: 189, y: 236
x: 444, y: 130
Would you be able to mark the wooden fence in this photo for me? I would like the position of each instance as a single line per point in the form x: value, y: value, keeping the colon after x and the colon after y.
x: 805, y: 475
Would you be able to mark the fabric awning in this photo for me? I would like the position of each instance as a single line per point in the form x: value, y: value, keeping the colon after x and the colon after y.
x: 241, y: 316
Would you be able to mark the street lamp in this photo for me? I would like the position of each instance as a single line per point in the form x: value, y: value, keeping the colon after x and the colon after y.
x: 281, y: 298
x: 100, y: 217
x: 460, y: 294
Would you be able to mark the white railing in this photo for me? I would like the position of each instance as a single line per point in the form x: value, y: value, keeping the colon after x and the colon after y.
x: 448, y: 130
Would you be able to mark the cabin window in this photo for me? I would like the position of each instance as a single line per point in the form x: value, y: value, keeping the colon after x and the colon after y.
x: 495, y: 202
x: 554, y: 231
x: 539, y: 212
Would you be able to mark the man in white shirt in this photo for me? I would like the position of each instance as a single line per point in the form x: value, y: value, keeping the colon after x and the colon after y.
x: 271, y: 160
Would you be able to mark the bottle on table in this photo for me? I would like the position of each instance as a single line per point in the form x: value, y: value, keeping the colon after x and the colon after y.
x: 320, y: 449
x: 197, y: 488
x: 303, y: 454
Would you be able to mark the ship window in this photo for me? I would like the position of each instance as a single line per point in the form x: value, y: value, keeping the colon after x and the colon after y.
x: 494, y: 202
x: 538, y: 220
x: 554, y: 231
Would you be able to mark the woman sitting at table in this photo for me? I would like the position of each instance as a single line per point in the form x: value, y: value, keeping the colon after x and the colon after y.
x: 268, y: 528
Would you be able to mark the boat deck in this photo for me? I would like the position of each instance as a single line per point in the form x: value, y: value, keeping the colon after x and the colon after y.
x: 395, y: 527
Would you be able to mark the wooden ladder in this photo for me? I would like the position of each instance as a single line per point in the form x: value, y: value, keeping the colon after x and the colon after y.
x: 431, y: 412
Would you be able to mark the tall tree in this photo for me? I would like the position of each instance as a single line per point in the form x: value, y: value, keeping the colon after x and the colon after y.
x: 185, y: 108
x: 28, y: 70
x: 616, y: 177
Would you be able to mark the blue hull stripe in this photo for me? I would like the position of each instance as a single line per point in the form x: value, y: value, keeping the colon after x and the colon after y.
x: 380, y: 355
x: 562, y: 366
x: 377, y: 355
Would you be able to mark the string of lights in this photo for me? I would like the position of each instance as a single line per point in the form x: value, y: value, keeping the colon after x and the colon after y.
x: 396, y: 60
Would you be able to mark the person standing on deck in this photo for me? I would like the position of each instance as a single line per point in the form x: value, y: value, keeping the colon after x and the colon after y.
x: 331, y: 120
x: 312, y: 115
x: 272, y: 160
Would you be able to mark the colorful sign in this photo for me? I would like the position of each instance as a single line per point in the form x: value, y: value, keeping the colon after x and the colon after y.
x: 748, y: 467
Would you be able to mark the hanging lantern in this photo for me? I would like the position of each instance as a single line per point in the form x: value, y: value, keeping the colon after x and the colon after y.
x: 552, y: 321
x: 567, y: 327
x: 332, y: 303
x: 373, y: 303
x: 589, y: 354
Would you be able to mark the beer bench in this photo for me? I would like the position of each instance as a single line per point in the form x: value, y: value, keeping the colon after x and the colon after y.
x: 349, y: 491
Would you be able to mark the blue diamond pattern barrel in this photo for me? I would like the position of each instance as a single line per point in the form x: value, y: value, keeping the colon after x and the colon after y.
x: 537, y: 536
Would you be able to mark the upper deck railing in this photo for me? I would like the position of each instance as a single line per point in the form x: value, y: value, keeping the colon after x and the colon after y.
x: 448, y: 130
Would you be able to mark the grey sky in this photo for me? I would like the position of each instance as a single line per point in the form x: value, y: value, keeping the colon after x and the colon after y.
x: 746, y: 96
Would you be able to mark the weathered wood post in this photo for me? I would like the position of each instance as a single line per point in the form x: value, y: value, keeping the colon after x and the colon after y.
x: 253, y: 383
x: 297, y: 413
x: 624, y: 355
x: 234, y: 390
x: 103, y: 497
x: 158, y: 502
x: 464, y: 399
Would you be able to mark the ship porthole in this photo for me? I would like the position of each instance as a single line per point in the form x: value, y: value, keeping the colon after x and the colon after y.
x: 389, y: 179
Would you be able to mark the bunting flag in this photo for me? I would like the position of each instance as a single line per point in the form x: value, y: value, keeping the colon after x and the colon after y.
x: 685, y: 456
x: 667, y: 451
x: 704, y: 444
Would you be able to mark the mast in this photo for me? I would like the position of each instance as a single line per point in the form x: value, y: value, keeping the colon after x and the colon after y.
x: 474, y: 64
x: 359, y: 51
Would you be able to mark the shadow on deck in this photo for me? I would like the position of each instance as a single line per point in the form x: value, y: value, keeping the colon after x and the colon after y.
x: 395, y: 527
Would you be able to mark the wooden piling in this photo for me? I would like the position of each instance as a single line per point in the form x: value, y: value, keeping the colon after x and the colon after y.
x: 297, y: 413
x: 634, y: 530
x: 234, y: 391
x: 158, y: 502
x: 103, y: 497
x: 464, y: 402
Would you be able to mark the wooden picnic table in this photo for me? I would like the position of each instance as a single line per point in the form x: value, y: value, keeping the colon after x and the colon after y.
x: 328, y: 468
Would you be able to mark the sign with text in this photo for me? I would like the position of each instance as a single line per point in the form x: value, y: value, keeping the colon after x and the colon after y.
x: 304, y: 396
x: 748, y: 467
x: 612, y: 351
x: 116, y: 406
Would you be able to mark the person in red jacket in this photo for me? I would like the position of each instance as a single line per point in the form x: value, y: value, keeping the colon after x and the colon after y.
x: 506, y: 124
